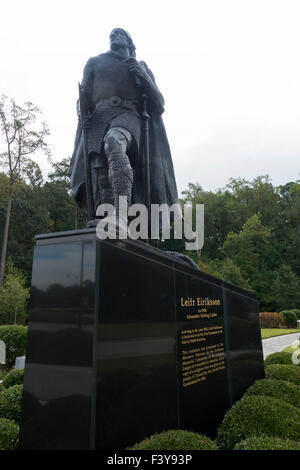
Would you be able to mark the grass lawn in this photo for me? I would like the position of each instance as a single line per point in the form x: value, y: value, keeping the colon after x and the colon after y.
x: 289, y: 349
x: 271, y: 332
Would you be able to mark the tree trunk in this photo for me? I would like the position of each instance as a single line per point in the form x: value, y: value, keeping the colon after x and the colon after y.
x: 5, y: 235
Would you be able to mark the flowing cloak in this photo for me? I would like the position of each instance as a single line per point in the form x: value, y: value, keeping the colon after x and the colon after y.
x: 163, y: 187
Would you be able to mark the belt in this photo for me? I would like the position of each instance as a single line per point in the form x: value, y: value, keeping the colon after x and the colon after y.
x: 116, y: 101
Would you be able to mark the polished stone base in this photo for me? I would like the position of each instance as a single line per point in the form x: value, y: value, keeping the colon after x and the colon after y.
x: 126, y: 341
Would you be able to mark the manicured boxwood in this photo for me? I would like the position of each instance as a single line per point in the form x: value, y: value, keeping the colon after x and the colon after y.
x: 279, y: 358
x: 286, y: 391
x: 14, y: 377
x: 290, y: 373
x: 255, y: 415
x: 9, y: 434
x: 10, y: 403
x: 267, y: 443
x: 297, y: 312
x: 176, y: 440
x: 14, y: 337
x: 290, y: 318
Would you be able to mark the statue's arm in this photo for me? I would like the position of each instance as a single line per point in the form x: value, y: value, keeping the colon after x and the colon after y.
x: 141, y: 71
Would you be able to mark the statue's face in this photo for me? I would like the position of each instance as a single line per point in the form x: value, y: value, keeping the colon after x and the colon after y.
x: 118, y: 39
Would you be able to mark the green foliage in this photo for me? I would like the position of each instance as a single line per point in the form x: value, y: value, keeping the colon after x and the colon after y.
x: 231, y: 272
x: 256, y: 226
x: 10, y: 403
x: 9, y: 434
x: 14, y: 377
x: 286, y: 391
x: 176, y: 440
x: 296, y: 312
x: 285, y: 289
x: 279, y: 358
x: 255, y: 415
x: 14, y: 337
x: 267, y: 443
x: 290, y: 373
x: 246, y: 247
x: 290, y: 318
x: 13, y: 296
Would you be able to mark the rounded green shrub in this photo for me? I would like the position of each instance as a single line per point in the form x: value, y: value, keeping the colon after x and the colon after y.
x: 279, y: 358
x: 255, y: 415
x: 296, y: 312
x: 10, y: 403
x: 9, y: 434
x: 14, y: 337
x: 176, y: 440
x: 286, y: 391
x: 267, y: 443
x: 14, y: 377
x: 290, y: 373
x: 290, y: 318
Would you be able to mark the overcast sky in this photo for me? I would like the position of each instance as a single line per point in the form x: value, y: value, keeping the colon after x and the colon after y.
x: 229, y: 71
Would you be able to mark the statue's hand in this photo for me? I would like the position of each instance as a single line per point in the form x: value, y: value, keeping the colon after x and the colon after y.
x: 136, y: 68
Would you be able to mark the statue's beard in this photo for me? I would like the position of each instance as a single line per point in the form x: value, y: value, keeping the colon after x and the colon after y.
x: 116, y: 45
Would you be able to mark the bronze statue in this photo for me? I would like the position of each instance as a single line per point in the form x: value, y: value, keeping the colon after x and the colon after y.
x: 117, y: 89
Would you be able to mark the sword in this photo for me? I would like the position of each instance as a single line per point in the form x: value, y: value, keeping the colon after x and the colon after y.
x: 87, y: 167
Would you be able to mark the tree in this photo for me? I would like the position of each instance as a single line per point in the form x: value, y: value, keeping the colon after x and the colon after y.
x: 21, y: 140
x: 61, y: 206
x: 13, y: 296
x: 246, y: 248
x: 286, y: 289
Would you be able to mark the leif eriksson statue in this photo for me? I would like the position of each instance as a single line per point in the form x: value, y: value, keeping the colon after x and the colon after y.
x: 121, y: 147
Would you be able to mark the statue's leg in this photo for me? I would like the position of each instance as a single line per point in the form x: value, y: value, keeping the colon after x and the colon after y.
x: 120, y: 173
x: 105, y: 194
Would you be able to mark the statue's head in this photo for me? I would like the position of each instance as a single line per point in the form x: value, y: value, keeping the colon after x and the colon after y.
x: 119, y: 38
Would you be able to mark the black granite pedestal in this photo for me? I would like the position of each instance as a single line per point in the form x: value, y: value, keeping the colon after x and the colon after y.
x: 126, y: 341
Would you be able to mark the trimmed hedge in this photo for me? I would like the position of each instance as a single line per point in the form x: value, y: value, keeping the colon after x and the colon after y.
x: 286, y: 391
x: 297, y: 312
x: 14, y: 377
x: 267, y: 443
x: 271, y: 320
x: 279, y: 358
x: 14, y: 337
x: 290, y: 318
x: 255, y: 415
x: 176, y: 440
x: 10, y: 403
x: 290, y: 373
x: 9, y: 434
